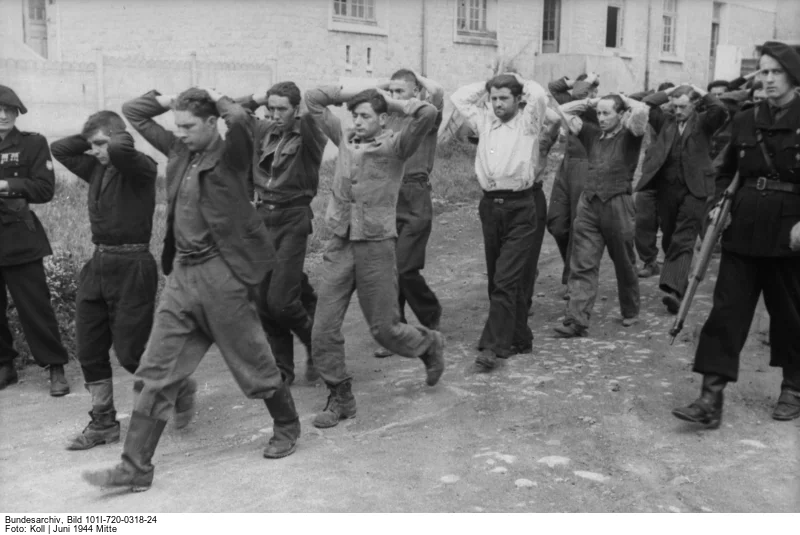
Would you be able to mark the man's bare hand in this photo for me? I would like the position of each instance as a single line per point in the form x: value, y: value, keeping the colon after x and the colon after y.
x: 794, y: 238
x: 714, y: 214
x: 592, y: 77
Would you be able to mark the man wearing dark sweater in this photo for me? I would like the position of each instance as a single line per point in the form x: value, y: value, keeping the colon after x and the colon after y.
x: 605, y: 212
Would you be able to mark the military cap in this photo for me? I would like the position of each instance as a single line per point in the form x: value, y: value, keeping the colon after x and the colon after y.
x: 786, y: 56
x: 9, y: 98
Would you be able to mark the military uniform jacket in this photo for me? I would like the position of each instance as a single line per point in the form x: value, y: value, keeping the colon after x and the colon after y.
x: 26, y: 164
x: 762, y: 220
x: 235, y: 226
x: 122, y: 195
x: 696, y: 162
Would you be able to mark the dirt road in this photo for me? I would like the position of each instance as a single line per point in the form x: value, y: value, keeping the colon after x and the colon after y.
x: 580, y: 425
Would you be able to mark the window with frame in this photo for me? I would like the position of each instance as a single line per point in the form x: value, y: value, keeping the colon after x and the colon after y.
x: 551, y: 26
x: 476, y: 18
x: 362, y: 11
x: 715, y: 23
x: 615, y: 16
x: 670, y: 22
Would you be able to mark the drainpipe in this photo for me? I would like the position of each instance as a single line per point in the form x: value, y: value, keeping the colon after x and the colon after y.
x: 647, y: 46
x: 424, y: 48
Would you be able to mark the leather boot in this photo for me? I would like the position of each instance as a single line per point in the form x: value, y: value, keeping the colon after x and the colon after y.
x: 707, y: 409
x: 58, y: 381
x: 184, y: 403
x: 103, y: 427
x: 434, y: 359
x: 286, y: 424
x: 135, y: 470
x: 341, y: 405
x: 788, y: 406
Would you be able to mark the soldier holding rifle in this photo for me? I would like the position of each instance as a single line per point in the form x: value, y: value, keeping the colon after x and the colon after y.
x: 761, y: 246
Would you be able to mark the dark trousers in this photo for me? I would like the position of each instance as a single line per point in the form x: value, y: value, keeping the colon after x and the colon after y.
x: 567, y: 189
x: 27, y: 285
x: 201, y: 305
x: 287, y: 301
x: 681, y: 217
x: 599, y: 225
x: 740, y: 282
x: 509, y: 227
x: 646, y: 239
x: 370, y: 268
x: 414, y: 223
x: 115, y: 304
x: 532, y: 271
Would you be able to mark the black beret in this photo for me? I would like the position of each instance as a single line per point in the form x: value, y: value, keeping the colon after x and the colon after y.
x: 9, y: 98
x: 786, y: 56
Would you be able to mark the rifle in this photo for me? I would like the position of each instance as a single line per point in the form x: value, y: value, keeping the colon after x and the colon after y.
x: 713, y: 232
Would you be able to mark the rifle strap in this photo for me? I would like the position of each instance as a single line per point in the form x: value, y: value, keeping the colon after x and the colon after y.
x: 767, y: 158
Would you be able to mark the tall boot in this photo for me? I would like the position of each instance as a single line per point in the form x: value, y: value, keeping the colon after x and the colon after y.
x: 341, y: 405
x: 135, y: 470
x: 286, y: 424
x: 103, y: 427
x: 707, y: 409
x: 184, y: 404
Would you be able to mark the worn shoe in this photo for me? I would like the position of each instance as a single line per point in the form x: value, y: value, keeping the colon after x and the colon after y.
x: 184, y: 404
x: 569, y: 331
x: 707, y: 409
x: 8, y: 375
x: 672, y: 302
x: 382, y: 353
x: 630, y: 322
x: 135, y: 471
x: 434, y: 359
x: 102, y: 429
x: 487, y: 360
x: 340, y: 406
x: 788, y: 407
x: 58, y: 382
x: 649, y: 269
x: 286, y: 424
x: 526, y: 349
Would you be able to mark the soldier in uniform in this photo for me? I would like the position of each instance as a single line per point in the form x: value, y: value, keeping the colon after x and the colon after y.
x: 26, y: 177
x: 761, y: 245
x: 117, y: 287
x: 288, y: 153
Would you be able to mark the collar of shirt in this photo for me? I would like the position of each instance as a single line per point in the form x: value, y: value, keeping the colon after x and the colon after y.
x: 511, y: 123
x: 609, y: 135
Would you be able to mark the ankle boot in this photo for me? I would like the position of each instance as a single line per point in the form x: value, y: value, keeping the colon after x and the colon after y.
x: 286, y: 424
x: 341, y: 405
x: 135, y: 470
x: 707, y: 409
x: 434, y: 359
x: 103, y: 427
x: 184, y: 404
x: 788, y: 406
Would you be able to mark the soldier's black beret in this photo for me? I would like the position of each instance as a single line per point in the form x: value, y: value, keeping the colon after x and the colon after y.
x: 9, y: 98
x: 786, y: 56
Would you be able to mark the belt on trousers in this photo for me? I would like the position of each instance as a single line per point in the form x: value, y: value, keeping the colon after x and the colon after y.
x: 299, y: 201
x: 762, y: 183
x: 499, y: 196
x: 124, y: 248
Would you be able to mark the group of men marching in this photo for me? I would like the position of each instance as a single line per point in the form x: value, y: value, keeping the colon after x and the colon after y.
x: 239, y: 217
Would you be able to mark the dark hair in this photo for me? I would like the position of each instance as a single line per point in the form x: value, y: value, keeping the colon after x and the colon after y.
x: 584, y: 76
x: 371, y: 97
x: 685, y: 90
x: 619, y: 104
x: 407, y: 75
x: 288, y: 90
x: 197, y: 102
x: 719, y: 83
x: 505, y: 81
x: 106, y: 121
x: 665, y: 85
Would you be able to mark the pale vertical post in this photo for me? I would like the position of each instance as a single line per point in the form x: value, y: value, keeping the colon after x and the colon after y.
x: 193, y: 69
x: 99, y: 70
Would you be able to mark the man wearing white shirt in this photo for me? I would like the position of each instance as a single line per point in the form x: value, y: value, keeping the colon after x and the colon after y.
x: 505, y: 163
